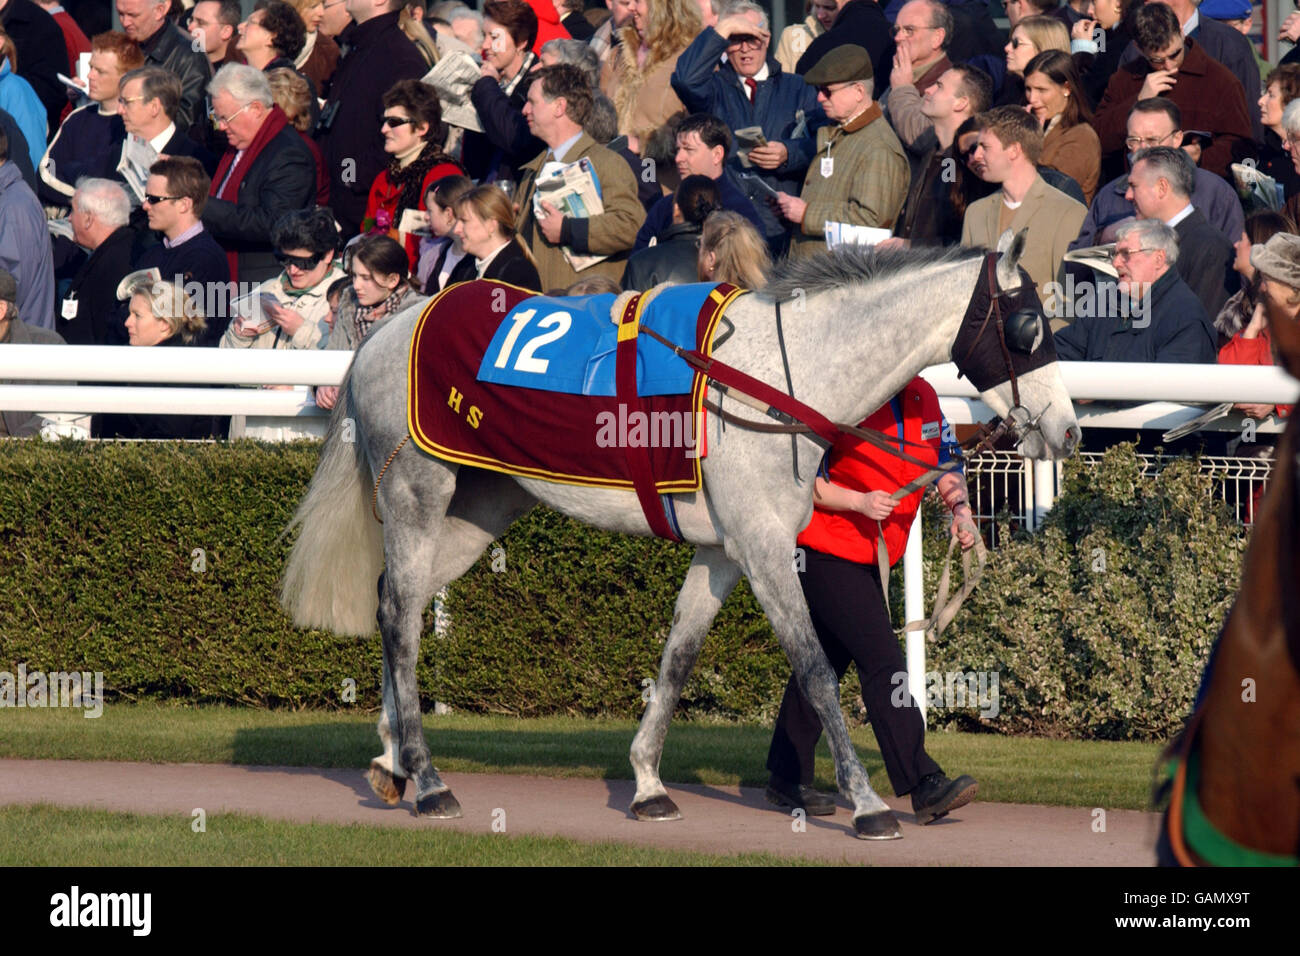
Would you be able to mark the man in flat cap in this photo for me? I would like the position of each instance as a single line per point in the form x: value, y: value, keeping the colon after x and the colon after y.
x: 859, y: 174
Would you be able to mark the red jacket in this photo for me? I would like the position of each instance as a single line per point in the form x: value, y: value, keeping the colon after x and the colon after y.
x: 1256, y: 351
x: 384, y: 195
x: 548, y: 24
x: 861, y: 466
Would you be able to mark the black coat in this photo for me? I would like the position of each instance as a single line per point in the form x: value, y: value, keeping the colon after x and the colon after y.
x: 172, y: 49
x: 579, y: 27
x: 674, y: 258
x: 19, y: 154
x: 378, y: 55
x: 95, y: 289
x: 1205, y: 262
x: 198, y: 260
x: 506, y: 142
x: 281, y: 179
x: 862, y: 23
x: 511, y: 265
x: 139, y: 425
x: 42, y: 54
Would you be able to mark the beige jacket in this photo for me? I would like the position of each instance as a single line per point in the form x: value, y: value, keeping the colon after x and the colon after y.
x: 311, y: 305
x: 1053, y: 220
x: 795, y: 40
x: 643, y: 96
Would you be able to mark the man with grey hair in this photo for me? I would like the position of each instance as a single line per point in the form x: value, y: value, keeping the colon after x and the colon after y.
x: 1160, y: 187
x: 168, y: 47
x: 467, y: 27
x: 267, y: 171
x: 922, y: 34
x: 751, y: 90
x: 1154, y: 318
x: 573, y: 52
x: 100, y: 218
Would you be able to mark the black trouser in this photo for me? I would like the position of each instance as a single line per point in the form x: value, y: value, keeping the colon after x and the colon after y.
x: 848, y: 611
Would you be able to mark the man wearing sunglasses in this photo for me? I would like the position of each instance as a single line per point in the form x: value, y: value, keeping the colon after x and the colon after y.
x: 1209, y: 97
x: 176, y: 193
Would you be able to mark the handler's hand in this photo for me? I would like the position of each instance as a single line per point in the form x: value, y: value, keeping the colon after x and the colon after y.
x: 1254, y: 411
x: 769, y: 155
x: 550, y: 223
x: 961, y: 529
x: 893, y: 242
x: 326, y: 396
x: 877, y: 505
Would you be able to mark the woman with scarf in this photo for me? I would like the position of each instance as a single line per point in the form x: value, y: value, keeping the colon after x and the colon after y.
x: 380, y: 287
x: 413, y: 135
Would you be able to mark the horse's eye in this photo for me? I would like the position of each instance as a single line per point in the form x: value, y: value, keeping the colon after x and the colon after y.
x: 1024, y: 330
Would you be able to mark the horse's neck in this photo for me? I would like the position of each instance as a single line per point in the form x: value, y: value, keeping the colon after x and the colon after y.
x: 1250, y: 728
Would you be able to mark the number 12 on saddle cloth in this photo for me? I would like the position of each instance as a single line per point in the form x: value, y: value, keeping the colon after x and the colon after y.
x: 502, y: 379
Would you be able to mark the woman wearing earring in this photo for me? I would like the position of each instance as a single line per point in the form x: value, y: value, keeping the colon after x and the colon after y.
x: 1069, y: 143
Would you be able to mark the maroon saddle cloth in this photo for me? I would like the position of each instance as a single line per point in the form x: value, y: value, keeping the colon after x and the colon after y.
x: 600, y: 441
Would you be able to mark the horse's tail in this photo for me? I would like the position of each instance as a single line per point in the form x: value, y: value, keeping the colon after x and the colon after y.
x: 330, y: 580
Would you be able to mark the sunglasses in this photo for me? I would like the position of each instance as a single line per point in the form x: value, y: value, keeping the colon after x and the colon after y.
x: 304, y: 263
x: 392, y: 122
x: 153, y: 200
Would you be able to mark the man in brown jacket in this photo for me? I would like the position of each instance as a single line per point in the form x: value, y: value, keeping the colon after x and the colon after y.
x: 559, y: 102
x: 1208, y: 95
x: 859, y: 174
x: 1009, y: 145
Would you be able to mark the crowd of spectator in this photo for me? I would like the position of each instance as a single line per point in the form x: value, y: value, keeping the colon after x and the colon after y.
x: 286, y: 176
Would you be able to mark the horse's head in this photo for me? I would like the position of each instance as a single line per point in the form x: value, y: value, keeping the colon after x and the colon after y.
x: 1005, y: 348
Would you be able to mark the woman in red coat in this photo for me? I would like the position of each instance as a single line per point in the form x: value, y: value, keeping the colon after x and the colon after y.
x: 413, y: 136
x: 841, y: 583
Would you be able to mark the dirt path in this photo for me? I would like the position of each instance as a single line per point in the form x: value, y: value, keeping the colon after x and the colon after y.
x: 724, y: 820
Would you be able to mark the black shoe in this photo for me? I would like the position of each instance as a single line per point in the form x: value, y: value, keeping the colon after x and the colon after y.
x: 810, y: 801
x: 936, y: 795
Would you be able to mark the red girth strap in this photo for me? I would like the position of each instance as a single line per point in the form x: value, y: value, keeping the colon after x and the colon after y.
x: 638, y: 459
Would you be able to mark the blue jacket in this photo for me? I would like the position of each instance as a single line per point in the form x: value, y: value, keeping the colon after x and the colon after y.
x: 19, y: 100
x: 660, y: 217
x: 784, y: 106
x: 1176, y: 330
x: 25, y: 249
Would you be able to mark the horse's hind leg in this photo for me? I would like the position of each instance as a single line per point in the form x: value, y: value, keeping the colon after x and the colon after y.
x: 436, y: 542
x: 777, y: 589
x: 711, y: 577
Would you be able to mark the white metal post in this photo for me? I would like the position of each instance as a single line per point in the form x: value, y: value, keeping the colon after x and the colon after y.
x: 914, y: 610
x: 1044, y: 490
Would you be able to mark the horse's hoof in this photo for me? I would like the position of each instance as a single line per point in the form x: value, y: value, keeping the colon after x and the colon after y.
x: 442, y: 806
x: 386, y: 787
x: 656, y: 809
x: 877, y: 826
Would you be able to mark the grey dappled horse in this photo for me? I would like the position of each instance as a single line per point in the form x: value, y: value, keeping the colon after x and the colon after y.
x: 858, y: 325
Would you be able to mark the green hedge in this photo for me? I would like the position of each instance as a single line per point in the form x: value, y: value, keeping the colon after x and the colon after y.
x: 158, y: 565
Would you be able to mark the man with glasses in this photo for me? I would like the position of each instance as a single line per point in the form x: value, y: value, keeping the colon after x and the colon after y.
x: 859, y: 174
x: 1158, y: 122
x: 147, y: 101
x: 922, y: 33
x: 267, y: 171
x: 176, y: 194
x: 1175, y: 67
x: 1154, y: 317
x: 750, y: 90
x: 167, y: 47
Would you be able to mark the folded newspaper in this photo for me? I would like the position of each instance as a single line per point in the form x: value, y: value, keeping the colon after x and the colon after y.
x: 847, y: 234
x: 747, y: 138
x: 575, y: 191
x: 1096, y: 258
x: 137, y: 157
x: 453, y: 77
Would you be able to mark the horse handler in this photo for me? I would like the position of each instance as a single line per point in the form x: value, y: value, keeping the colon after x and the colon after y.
x: 841, y: 583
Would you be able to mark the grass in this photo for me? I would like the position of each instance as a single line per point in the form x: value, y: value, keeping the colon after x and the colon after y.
x: 1009, y: 769
x: 51, y: 836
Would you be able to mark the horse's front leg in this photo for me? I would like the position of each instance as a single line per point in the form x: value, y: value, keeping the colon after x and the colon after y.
x: 773, y: 579
x: 711, y: 577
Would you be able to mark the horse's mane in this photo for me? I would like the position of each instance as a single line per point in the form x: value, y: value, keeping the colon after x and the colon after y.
x: 848, y: 264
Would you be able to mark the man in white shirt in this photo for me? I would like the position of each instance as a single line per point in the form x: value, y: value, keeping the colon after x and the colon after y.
x: 148, y: 99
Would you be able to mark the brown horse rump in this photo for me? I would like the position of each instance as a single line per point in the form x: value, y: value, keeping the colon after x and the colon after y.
x: 561, y: 436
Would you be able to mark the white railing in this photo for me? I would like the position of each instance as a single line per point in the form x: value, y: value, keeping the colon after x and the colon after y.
x: 1160, y: 389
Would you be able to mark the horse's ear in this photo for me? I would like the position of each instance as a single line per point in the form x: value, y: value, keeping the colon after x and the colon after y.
x: 1010, y: 248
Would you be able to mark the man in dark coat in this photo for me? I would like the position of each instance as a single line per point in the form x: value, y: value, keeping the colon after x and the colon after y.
x: 780, y: 103
x: 267, y: 172
x: 101, y: 215
x: 14, y: 331
x: 42, y: 54
x: 167, y: 46
x: 859, y: 23
x: 378, y: 55
x: 1173, y: 66
x: 1156, y: 318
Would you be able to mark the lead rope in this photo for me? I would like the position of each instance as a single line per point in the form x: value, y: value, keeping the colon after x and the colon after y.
x: 789, y: 386
x: 374, y: 495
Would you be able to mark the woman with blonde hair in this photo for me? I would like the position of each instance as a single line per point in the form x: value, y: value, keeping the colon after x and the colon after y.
x: 1030, y: 37
x: 485, y: 226
x: 637, y: 76
x: 291, y: 93
x: 319, y: 57
x: 161, y: 314
x: 731, y: 250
